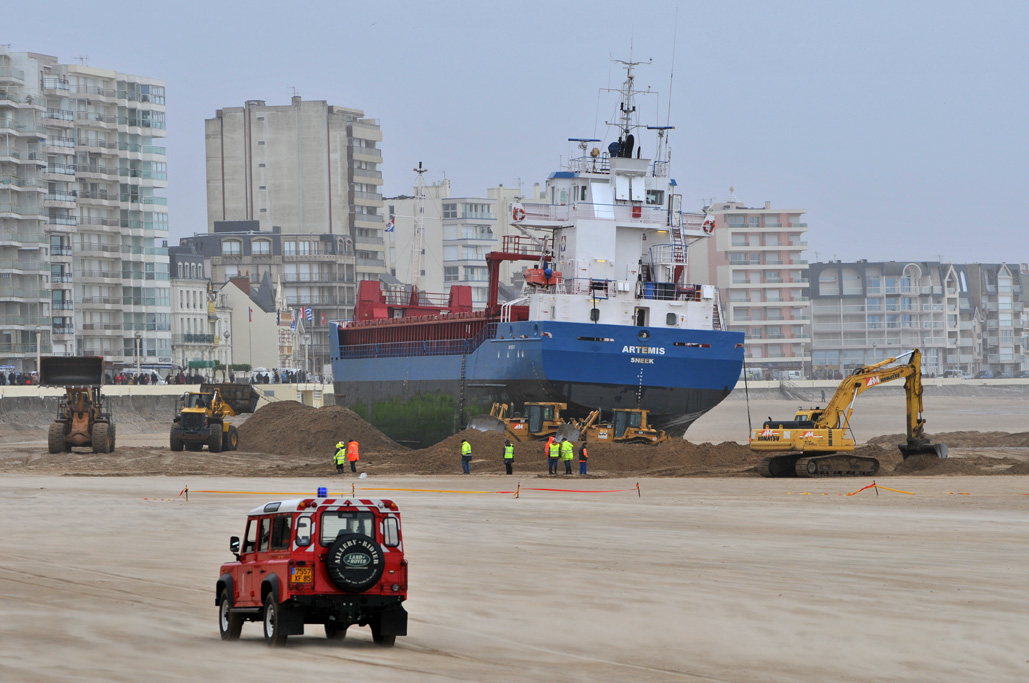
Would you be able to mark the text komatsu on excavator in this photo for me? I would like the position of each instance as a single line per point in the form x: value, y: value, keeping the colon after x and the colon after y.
x: 815, y: 443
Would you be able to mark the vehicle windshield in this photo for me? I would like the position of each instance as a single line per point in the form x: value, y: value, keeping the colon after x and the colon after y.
x: 198, y: 400
x: 351, y: 522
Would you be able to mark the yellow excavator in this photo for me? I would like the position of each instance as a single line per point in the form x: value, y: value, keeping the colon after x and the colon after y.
x: 815, y: 442
x: 201, y: 421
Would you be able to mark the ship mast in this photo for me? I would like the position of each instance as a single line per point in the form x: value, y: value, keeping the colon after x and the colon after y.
x: 419, y: 229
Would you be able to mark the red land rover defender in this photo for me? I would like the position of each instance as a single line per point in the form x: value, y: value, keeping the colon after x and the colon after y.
x: 331, y: 561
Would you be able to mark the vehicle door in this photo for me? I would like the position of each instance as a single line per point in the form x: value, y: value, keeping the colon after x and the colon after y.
x: 242, y: 574
x: 279, y: 547
x: 257, y: 570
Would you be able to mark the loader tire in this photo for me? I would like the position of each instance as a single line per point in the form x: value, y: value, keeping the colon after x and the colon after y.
x: 231, y: 442
x: 214, y: 441
x: 55, y: 437
x: 101, y: 437
x: 175, y: 442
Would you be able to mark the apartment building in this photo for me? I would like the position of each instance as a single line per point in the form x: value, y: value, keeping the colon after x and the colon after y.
x: 304, y: 168
x: 965, y: 318
x: 415, y: 242
x: 449, y: 244
x: 308, y: 270
x: 194, y: 338
x: 755, y: 257
x: 82, y: 140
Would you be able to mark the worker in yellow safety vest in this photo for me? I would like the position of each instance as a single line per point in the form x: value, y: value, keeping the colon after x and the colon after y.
x: 554, y: 451
x: 567, y: 453
x: 466, y: 456
x: 340, y: 458
x: 352, y: 455
x: 508, y: 455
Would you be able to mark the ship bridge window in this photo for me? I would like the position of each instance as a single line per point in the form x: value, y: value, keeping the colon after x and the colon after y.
x: 656, y: 197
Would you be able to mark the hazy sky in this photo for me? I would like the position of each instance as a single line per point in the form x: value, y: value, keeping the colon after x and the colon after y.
x: 899, y: 126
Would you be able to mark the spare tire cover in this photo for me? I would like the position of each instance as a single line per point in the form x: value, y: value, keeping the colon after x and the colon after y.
x: 354, y: 562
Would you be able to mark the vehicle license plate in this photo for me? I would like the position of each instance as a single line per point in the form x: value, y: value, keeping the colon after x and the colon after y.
x: 303, y: 574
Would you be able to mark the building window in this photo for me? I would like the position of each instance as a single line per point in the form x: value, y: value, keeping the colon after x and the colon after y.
x: 232, y: 247
x: 261, y: 247
x: 289, y: 248
x: 450, y: 210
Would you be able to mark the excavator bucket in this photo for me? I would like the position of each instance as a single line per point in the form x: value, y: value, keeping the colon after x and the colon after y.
x: 71, y: 371
x: 487, y: 423
x: 568, y: 432
x: 938, y: 450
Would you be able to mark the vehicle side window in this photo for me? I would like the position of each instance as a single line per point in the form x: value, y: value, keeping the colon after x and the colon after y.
x: 391, y: 532
x: 250, y: 538
x: 281, y: 526
x: 304, y: 530
x: 266, y: 525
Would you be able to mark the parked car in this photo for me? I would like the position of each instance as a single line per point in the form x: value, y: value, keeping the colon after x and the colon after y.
x: 984, y: 374
x: 1023, y: 374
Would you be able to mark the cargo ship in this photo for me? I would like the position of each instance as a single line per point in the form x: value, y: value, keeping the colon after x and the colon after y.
x: 606, y: 317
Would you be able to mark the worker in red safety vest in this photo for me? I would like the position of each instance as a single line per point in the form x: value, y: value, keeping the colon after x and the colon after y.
x: 352, y: 455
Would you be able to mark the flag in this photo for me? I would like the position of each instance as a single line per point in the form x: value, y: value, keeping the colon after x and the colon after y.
x: 278, y: 317
x: 323, y: 317
x: 251, y: 315
x: 310, y: 314
x: 392, y: 224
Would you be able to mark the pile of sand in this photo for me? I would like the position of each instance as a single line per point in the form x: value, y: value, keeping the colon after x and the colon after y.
x: 965, y: 439
x: 291, y: 428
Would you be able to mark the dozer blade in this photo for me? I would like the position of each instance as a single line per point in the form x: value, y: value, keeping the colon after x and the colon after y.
x: 938, y: 450
x: 487, y: 423
x: 567, y: 432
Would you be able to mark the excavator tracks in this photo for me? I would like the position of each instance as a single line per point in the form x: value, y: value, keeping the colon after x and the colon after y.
x: 833, y: 465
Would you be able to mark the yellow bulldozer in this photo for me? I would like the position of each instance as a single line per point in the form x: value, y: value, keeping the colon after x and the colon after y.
x: 541, y: 419
x: 201, y: 420
x: 81, y: 419
x: 815, y: 442
x: 627, y: 425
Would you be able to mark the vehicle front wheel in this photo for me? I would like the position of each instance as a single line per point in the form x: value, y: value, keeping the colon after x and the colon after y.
x: 229, y: 625
x: 176, y: 443
x: 273, y: 635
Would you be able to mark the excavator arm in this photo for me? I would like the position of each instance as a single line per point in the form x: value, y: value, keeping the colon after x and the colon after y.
x: 841, y: 406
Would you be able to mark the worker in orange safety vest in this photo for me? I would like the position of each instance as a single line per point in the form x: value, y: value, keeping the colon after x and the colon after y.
x: 352, y: 455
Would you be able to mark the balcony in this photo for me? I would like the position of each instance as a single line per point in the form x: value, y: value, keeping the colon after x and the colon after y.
x: 192, y: 339
x: 65, y: 305
x: 62, y: 329
x: 12, y: 75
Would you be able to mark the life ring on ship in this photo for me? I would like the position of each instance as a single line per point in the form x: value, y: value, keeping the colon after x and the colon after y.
x: 518, y: 213
x: 708, y: 226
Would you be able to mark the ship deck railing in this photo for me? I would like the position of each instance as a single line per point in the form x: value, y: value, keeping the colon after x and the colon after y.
x: 624, y: 214
x: 602, y: 164
x: 598, y: 288
x: 429, y: 347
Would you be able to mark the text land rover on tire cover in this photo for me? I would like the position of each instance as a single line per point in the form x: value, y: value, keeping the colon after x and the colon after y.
x: 331, y: 561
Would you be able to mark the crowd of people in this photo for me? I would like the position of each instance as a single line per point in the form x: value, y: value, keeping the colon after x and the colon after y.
x: 277, y: 376
x: 19, y: 378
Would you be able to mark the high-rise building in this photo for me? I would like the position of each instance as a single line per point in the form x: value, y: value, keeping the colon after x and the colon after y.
x: 755, y: 257
x: 79, y: 153
x: 305, y: 179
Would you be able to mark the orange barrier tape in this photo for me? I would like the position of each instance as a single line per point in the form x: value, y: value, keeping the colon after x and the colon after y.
x: 375, y: 488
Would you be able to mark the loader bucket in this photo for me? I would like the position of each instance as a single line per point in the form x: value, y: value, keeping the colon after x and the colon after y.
x: 71, y: 371
x: 242, y: 398
x: 487, y: 423
x: 938, y: 450
x: 567, y: 432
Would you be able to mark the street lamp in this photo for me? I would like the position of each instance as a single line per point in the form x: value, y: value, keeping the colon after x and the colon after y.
x: 139, y: 349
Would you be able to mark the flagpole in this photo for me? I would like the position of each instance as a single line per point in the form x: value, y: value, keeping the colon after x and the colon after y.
x: 250, y: 343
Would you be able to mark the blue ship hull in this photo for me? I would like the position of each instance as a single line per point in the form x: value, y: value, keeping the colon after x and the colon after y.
x: 420, y: 393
